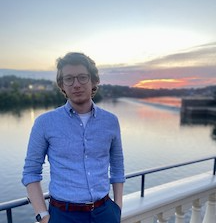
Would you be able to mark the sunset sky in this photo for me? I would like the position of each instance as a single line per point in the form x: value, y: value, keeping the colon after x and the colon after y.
x: 141, y: 43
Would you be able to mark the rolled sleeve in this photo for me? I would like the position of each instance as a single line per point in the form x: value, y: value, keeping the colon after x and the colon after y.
x: 37, y: 148
x: 116, y: 158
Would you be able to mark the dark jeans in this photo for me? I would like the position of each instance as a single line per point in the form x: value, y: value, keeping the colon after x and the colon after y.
x: 109, y: 212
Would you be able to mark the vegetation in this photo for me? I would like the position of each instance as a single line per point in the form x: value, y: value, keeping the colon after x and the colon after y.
x: 17, y: 93
x: 110, y: 91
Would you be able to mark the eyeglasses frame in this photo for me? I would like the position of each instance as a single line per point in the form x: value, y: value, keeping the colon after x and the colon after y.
x: 76, y: 77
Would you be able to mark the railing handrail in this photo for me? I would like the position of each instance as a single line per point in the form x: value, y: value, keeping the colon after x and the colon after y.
x: 18, y: 202
x: 9, y: 205
x: 142, y: 173
x: 166, y: 167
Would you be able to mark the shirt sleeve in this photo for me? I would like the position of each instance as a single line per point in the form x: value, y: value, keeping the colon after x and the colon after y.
x: 116, y: 157
x: 36, y: 152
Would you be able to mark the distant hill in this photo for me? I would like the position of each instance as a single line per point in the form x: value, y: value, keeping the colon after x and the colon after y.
x: 48, y: 75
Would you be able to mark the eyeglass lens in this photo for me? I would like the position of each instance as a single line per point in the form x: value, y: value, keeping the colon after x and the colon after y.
x: 82, y: 79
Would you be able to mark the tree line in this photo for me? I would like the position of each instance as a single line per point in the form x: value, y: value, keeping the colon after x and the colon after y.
x: 17, y: 93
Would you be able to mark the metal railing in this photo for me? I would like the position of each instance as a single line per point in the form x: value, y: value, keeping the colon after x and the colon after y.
x: 161, y: 168
x: 8, y: 206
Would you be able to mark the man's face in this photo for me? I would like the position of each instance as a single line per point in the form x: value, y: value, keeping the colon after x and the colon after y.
x: 77, y: 84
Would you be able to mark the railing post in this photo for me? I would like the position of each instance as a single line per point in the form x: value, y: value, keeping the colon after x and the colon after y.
x: 161, y: 218
x: 210, y: 214
x: 142, y: 185
x: 180, y: 215
x: 214, y: 170
x: 196, y: 212
x: 9, y: 216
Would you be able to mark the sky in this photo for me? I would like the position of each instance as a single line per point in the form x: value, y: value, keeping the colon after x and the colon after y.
x: 139, y: 43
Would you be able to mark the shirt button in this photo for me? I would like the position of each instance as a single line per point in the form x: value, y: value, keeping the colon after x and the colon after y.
x: 89, y: 173
x: 81, y: 124
x: 86, y: 156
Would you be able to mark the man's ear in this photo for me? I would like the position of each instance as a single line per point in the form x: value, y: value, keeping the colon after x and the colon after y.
x: 94, y: 91
x: 64, y: 92
x: 94, y: 88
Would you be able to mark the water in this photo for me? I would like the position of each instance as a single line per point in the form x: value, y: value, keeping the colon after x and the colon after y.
x: 151, y: 134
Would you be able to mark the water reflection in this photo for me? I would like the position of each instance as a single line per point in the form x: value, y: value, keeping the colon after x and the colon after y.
x: 205, y: 121
x: 15, y: 112
x: 19, y: 111
x: 169, y: 101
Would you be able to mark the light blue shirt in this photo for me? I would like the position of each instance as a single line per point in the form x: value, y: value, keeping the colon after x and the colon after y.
x: 83, y: 161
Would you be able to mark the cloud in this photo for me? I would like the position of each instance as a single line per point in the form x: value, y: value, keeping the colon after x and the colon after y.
x: 160, y: 83
x: 203, y: 55
x: 194, y: 67
x: 191, y: 68
x: 190, y: 82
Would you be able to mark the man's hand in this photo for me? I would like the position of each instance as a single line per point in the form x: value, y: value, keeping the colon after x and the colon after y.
x: 45, y: 219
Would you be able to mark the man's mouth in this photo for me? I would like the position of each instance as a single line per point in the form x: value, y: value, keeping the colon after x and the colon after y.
x: 77, y: 93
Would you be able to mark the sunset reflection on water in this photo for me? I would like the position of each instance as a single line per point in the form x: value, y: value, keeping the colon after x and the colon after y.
x: 171, y: 101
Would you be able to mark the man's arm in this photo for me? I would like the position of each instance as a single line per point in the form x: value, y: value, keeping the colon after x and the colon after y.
x: 118, y: 193
x: 35, y: 195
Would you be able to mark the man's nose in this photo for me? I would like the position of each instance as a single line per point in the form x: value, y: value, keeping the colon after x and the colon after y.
x: 76, y: 82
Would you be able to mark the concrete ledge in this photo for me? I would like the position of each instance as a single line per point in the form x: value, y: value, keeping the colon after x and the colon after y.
x: 167, y: 197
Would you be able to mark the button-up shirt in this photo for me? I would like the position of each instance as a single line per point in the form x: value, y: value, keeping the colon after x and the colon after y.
x: 83, y: 161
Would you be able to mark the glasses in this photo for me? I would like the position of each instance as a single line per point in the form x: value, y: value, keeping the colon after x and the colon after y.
x: 81, y: 78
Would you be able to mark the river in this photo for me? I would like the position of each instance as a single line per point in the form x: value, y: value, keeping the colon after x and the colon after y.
x: 152, y: 135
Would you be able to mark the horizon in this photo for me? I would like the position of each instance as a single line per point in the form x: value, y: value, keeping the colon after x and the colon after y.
x: 50, y: 75
x: 147, y: 44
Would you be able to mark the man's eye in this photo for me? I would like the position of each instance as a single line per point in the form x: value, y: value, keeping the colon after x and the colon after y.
x: 68, y: 78
x: 83, y: 77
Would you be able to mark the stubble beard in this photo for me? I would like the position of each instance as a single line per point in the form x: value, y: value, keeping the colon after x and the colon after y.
x: 80, y: 101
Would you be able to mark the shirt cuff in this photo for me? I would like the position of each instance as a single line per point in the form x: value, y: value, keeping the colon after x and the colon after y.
x: 31, y: 179
x: 117, y: 180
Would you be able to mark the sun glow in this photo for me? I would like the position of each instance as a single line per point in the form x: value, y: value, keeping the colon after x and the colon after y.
x: 160, y: 83
x: 135, y: 45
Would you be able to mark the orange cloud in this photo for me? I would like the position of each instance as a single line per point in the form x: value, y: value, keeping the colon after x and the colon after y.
x: 161, y: 83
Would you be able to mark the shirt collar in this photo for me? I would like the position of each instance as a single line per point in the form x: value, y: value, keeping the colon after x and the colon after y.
x: 70, y: 109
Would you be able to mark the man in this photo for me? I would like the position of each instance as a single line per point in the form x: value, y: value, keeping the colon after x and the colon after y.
x: 83, y: 145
